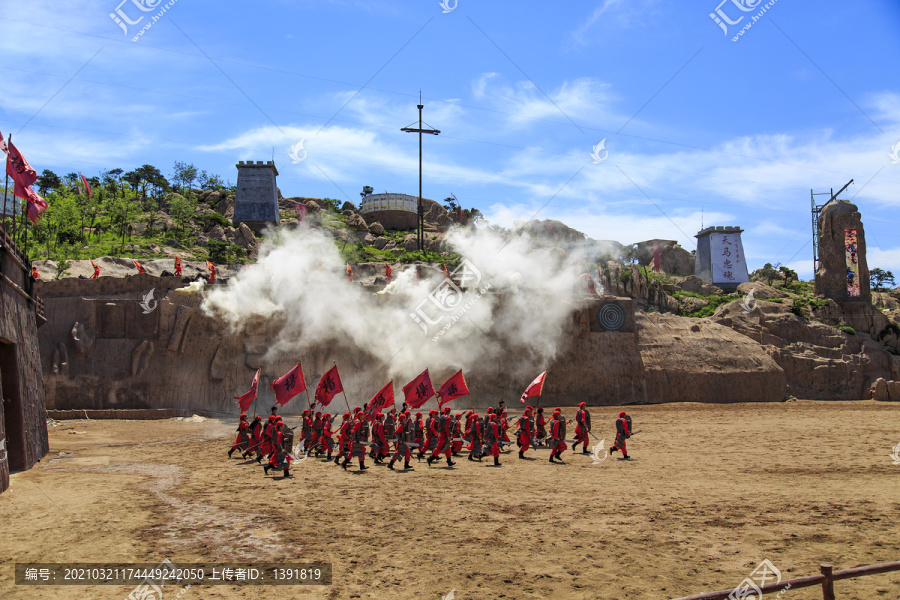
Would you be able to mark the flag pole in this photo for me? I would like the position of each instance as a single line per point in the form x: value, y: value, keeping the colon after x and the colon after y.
x: 255, y: 398
x: 6, y: 188
x: 308, y: 403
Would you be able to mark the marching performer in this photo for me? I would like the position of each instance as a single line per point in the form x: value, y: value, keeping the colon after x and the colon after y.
x: 255, y: 436
x: 326, y: 444
x: 623, y: 432
x: 281, y: 457
x: 540, y: 432
x: 524, y: 440
x: 359, y: 435
x: 379, y: 446
x: 404, y: 433
x: 419, y: 435
x: 558, y: 436
x: 583, y: 427
x: 474, y: 433
x: 242, y: 441
x: 457, y: 434
x: 442, y: 428
x: 492, y: 438
x: 343, y: 437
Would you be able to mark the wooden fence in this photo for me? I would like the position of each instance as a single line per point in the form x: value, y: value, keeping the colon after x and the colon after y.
x: 826, y: 579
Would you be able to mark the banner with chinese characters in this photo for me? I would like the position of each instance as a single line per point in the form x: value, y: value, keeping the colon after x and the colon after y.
x: 727, y: 255
x: 852, y: 263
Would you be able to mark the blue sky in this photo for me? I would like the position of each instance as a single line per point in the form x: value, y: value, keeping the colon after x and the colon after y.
x: 693, y: 122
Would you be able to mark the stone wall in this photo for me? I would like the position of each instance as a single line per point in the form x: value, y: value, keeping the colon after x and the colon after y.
x: 23, y: 416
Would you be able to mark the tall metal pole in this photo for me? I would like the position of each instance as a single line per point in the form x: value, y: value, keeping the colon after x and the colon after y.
x: 420, y: 212
x: 420, y: 219
x: 6, y: 188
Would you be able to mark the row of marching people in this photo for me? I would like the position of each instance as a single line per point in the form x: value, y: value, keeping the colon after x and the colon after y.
x: 398, y: 436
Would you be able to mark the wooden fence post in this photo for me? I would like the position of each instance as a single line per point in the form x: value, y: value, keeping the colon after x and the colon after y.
x: 828, y: 584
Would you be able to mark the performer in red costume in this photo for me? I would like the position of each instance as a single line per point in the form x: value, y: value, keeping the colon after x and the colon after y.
x: 457, y: 434
x: 442, y: 428
x: 255, y: 436
x: 558, y: 436
x: 474, y: 433
x: 359, y: 434
x: 281, y: 457
x: 379, y: 449
x: 583, y: 427
x: 492, y: 437
x: 326, y: 444
x: 403, y: 431
x: 343, y: 437
x: 268, y: 437
x: 524, y: 432
x: 623, y: 432
x: 540, y: 434
x: 242, y: 441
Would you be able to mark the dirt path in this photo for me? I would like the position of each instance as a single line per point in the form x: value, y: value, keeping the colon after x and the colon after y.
x: 712, y: 491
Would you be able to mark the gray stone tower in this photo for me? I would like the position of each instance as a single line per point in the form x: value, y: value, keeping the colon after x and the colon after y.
x: 720, y: 257
x: 256, y: 200
x: 843, y: 274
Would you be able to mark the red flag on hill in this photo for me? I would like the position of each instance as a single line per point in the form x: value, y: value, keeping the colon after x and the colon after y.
x: 138, y: 265
x: 247, y: 399
x: 535, y: 388
x: 419, y: 390
x: 87, y: 186
x: 96, y: 270
x: 656, y: 256
x: 19, y: 169
x: 34, y: 204
x: 349, y: 273
x: 301, y: 214
x: 453, y: 388
x: 388, y: 272
x: 177, y: 266
x: 383, y: 399
x: 212, y: 271
x: 289, y: 385
x: 329, y: 386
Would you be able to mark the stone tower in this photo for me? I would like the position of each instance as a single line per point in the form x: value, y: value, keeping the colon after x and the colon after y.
x: 843, y: 274
x: 720, y: 257
x: 256, y: 200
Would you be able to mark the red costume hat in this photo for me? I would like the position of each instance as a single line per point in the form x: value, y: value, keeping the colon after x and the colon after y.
x: 622, y: 414
x: 243, y: 415
x: 581, y: 405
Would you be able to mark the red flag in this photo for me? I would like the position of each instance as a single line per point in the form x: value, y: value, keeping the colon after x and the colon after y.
x: 34, y: 204
x: 419, y: 390
x: 535, y: 388
x: 87, y: 186
x: 96, y: 270
x: 247, y: 399
x: 388, y: 272
x: 453, y: 388
x: 349, y: 273
x: 329, y: 386
x: 3, y: 144
x: 19, y: 169
x: 212, y: 271
x: 138, y: 265
x: 289, y: 385
x: 383, y: 399
x: 446, y: 273
x: 177, y: 266
x: 656, y: 256
x: 301, y: 213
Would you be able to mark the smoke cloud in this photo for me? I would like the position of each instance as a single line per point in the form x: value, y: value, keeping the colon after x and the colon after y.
x: 508, y: 313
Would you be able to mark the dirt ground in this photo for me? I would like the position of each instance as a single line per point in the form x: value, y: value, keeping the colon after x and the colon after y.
x: 712, y: 490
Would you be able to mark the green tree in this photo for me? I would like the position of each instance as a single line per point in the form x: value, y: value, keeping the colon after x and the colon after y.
x: 367, y: 189
x: 185, y: 174
x: 182, y: 209
x: 48, y: 181
x: 767, y: 273
x: 450, y: 204
x: 879, y: 277
x: 789, y: 274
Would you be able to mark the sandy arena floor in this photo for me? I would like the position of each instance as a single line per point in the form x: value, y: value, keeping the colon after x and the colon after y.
x: 711, y: 492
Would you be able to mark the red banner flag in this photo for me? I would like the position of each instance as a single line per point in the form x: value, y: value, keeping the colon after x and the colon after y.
x: 247, y: 399
x: 19, y: 169
x: 419, y: 390
x: 177, y: 266
x: 388, y: 272
x: 138, y: 265
x: 329, y: 386
x: 96, y: 270
x: 87, y: 186
x: 3, y: 144
x: 34, y: 204
x: 301, y: 213
x: 656, y: 256
x: 349, y: 273
x: 535, y: 388
x: 453, y: 388
x: 212, y: 271
x: 383, y: 399
x: 289, y: 385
